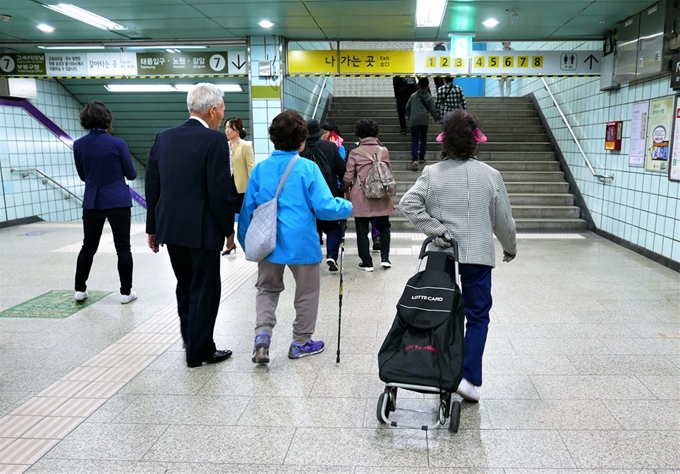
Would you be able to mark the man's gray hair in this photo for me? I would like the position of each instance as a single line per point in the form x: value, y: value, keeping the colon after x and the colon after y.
x: 203, y: 96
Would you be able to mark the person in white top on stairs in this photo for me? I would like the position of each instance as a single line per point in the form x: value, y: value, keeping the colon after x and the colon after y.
x: 465, y: 200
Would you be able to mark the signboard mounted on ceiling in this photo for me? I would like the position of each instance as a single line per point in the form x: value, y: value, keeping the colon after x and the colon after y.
x: 73, y: 64
x: 479, y: 63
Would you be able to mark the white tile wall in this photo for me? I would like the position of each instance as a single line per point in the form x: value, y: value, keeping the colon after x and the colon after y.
x: 639, y: 206
x: 25, y: 143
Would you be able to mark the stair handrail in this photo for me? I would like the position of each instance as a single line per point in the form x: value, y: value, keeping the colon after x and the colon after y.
x: 318, y: 99
x: 25, y: 172
x: 601, y: 177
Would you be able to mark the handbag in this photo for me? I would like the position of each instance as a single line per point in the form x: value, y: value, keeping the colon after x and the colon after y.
x: 260, y: 238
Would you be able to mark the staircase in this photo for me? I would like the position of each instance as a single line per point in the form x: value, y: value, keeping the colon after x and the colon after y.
x: 517, y: 146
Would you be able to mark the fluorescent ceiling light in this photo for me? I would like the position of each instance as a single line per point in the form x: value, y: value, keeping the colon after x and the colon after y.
x: 430, y: 12
x: 71, y: 47
x: 45, y: 28
x: 265, y: 24
x: 166, y: 47
x: 165, y: 87
x: 224, y: 87
x: 490, y: 23
x: 85, y: 16
x: 140, y: 88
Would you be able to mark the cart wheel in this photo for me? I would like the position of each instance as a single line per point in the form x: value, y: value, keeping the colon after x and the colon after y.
x: 392, y: 402
x: 381, y: 400
x: 455, y: 417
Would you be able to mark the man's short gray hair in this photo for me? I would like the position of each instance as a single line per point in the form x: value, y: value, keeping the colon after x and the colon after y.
x: 203, y: 96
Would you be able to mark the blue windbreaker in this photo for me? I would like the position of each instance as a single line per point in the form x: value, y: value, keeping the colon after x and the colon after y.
x: 305, y: 197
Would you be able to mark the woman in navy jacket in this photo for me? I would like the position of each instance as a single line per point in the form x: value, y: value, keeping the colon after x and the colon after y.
x: 103, y: 162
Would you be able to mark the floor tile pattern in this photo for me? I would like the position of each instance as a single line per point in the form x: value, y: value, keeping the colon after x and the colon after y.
x: 581, y: 373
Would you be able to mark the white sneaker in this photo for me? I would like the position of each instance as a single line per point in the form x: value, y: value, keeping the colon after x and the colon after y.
x: 125, y: 299
x: 467, y: 391
x: 81, y: 296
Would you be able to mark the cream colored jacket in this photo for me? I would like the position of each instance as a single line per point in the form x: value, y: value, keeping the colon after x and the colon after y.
x: 242, y: 163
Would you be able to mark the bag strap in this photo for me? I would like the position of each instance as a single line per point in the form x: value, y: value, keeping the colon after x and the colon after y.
x: 285, y: 176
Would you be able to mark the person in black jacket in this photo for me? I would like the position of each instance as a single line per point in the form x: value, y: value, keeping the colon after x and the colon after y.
x: 403, y: 88
x: 326, y: 155
x: 190, y: 196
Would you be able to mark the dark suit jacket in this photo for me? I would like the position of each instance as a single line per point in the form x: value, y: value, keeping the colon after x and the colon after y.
x: 336, y: 163
x: 103, y: 162
x: 189, y: 190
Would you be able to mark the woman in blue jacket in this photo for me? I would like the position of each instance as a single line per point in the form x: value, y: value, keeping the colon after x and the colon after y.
x: 103, y: 162
x: 304, y: 199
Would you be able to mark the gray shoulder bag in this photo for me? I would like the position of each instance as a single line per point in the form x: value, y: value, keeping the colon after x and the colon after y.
x: 261, y: 234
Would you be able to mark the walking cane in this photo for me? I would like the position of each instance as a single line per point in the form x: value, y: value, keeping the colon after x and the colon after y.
x: 343, y: 227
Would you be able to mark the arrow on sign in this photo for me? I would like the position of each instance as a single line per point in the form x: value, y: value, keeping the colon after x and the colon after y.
x: 238, y: 64
x: 591, y: 58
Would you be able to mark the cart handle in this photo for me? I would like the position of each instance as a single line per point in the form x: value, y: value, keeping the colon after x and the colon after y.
x: 423, y: 249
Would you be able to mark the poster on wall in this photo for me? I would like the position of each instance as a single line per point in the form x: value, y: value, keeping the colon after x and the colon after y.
x: 638, y: 133
x: 674, y: 165
x: 659, y: 136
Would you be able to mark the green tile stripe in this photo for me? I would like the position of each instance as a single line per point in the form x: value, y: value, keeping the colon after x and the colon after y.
x: 55, y: 304
x: 265, y: 92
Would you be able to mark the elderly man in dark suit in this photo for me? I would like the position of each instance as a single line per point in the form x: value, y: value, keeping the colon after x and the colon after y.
x: 189, y: 193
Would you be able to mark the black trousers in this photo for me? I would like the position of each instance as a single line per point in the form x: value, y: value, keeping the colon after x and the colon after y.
x: 93, y: 225
x: 383, y: 225
x: 198, y: 297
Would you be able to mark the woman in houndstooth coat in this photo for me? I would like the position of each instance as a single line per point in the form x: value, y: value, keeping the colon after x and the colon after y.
x: 465, y: 200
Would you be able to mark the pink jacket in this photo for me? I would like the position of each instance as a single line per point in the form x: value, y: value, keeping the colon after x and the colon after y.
x: 358, y: 163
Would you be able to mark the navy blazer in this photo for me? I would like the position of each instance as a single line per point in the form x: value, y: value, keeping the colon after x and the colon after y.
x: 103, y: 162
x: 189, y: 191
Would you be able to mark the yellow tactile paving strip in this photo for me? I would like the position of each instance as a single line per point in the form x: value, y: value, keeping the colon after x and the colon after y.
x: 35, y: 427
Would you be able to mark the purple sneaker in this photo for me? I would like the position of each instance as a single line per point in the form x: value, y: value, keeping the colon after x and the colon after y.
x: 261, y: 348
x: 303, y: 350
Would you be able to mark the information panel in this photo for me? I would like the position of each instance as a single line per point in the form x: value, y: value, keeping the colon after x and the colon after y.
x: 674, y: 165
x: 638, y: 134
x: 660, y: 122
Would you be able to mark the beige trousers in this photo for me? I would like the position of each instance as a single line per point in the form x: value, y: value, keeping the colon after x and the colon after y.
x: 270, y: 285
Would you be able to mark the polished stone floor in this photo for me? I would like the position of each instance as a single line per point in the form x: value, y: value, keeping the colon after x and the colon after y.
x: 581, y: 371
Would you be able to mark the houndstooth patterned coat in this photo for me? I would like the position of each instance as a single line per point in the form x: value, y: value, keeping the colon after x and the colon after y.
x: 468, y: 198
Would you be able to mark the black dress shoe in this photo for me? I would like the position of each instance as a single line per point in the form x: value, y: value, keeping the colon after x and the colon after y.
x: 218, y: 356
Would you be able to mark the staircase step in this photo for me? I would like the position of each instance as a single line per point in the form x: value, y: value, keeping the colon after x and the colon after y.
x: 488, y: 155
x: 520, y: 187
x: 520, y: 199
x: 533, y: 176
x: 551, y: 224
x: 401, y: 174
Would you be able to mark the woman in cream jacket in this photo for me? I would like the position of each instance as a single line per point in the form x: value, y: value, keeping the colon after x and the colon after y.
x: 242, y: 162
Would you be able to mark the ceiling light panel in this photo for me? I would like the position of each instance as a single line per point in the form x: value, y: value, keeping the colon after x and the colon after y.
x: 429, y: 13
x: 85, y: 16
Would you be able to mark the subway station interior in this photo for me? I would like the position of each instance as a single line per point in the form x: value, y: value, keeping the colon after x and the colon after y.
x: 582, y: 361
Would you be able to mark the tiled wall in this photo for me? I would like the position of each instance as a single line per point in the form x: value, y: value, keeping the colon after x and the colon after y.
x: 25, y: 143
x: 302, y: 93
x: 638, y: 206
x: 264, y: 110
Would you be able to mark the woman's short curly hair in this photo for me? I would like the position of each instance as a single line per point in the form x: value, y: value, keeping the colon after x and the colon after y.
x: 288, y: 130
x: 96, y: 115
x: 366, y: 128
x: 458, y: 139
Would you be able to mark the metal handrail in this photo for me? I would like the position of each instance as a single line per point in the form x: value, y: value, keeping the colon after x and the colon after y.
x: 24, y: 174
x: 318, y: 100
x: 601, y: 177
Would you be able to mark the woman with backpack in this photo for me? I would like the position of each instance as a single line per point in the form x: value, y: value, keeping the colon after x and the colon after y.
x: 360, y: 162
